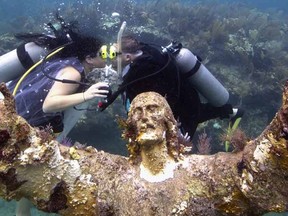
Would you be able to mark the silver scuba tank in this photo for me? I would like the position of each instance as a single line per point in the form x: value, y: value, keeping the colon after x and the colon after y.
x: 200, y: 78
x: 11, y: 64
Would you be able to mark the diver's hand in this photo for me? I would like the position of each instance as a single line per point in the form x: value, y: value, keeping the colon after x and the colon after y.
x: 185, y: 140
x: 185, y: 136
x: 100, y: 89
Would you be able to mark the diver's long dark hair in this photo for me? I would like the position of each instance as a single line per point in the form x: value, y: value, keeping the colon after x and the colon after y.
x: 67, y: 35
x: 66, y: 42
x: 81, y: 47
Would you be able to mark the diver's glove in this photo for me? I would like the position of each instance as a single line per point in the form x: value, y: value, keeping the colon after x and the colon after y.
x: 185, y: 140
x: 186, y: 137
x: 111, y: 98
x: 236, y: 117
x: 103, y: 103
x: 107, y: 89
x: 225, y: 111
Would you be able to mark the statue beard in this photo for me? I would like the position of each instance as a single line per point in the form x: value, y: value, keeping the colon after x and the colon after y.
x: 150, y: 138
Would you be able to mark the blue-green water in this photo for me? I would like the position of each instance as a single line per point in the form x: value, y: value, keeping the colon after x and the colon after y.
x: 244, y: 43
x: 9, y: 209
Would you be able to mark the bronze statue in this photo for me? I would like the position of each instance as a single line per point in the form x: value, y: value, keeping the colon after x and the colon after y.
x: 157, y: 179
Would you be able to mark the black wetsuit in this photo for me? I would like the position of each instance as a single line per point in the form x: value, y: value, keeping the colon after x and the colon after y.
x: 155, y: 71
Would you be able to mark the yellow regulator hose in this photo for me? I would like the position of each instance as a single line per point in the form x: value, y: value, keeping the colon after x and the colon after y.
x: 34, y: 66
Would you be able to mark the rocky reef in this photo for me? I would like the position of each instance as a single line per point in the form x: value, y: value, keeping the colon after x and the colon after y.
x: 244, y: 47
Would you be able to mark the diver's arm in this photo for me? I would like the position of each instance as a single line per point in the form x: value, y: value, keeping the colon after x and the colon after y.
x: 62, y: 95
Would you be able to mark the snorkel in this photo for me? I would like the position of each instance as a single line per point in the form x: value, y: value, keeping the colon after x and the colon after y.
x: 119, y: 62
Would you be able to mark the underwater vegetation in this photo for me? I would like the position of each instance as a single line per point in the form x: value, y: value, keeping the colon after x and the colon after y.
x: 244, y: 47
x: 204, y: 144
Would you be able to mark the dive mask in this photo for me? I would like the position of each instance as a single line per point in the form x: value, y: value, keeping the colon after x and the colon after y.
x: 112, y: 54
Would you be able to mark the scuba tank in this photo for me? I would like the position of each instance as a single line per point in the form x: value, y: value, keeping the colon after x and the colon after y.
x: 14, y: 63
x: 197, y: 75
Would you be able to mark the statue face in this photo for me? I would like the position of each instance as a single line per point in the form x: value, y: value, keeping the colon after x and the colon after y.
x: 148, y: 117
x: 152, y: 125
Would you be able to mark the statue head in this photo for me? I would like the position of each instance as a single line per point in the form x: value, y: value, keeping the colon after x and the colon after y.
x: 150, y: 122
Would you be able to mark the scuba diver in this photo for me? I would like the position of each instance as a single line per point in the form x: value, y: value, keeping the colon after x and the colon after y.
x: 60, y: 83
x: 178, y: 75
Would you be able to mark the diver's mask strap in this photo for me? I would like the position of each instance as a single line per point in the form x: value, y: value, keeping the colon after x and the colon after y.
x: 137, y: 53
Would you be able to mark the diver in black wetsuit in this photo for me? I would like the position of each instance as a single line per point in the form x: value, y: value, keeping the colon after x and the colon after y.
x: 147, y: 68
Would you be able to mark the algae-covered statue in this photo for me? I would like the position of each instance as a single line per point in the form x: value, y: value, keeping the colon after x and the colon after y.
x: 157, y: 178
x: 154, y: 143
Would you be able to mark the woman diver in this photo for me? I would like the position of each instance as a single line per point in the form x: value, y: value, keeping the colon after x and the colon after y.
x: 60, y: 83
